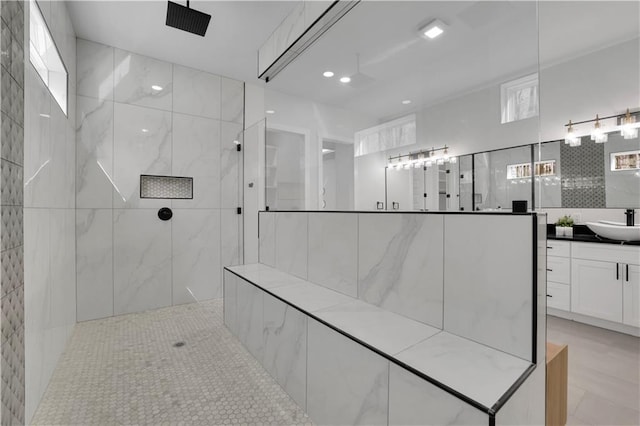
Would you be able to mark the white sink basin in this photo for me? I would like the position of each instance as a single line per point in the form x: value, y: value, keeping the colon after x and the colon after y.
x: 615, y: 230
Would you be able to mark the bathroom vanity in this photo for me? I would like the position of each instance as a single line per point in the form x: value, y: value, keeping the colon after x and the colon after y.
x: 594, y: 281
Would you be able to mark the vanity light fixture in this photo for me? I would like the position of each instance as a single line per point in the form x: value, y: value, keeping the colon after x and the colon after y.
x: 345, y: 79
x: 422, y: 158
x: 328, y: 74
x: 156, y: 88
x: 598, y: 134
x: 626, y: 123
x: 433, y: 29
x: 629, y: 128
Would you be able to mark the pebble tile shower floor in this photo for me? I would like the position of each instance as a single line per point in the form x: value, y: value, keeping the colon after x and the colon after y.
x: 126, y: 370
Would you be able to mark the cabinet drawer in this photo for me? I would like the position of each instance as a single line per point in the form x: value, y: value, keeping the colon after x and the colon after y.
x: 558, y: 248
x: 559, y: 269
x: 558, y: 296
x: 606, y: 253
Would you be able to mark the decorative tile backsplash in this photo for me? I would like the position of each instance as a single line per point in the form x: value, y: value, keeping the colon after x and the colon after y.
x: 583, y: 184
x: 172, y: 187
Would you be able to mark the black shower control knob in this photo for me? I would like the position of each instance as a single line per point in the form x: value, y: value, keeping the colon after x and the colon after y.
x: 165, y: 213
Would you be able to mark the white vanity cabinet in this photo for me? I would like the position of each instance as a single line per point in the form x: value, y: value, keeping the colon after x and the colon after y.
x: 559, y: 274
x: 631, y: 296
x: 605, y: 282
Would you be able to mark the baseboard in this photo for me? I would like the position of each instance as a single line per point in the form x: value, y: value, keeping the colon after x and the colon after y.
x: 620, y: 328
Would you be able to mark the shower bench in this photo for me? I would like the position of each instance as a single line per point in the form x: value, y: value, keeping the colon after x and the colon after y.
x: 346, y: 361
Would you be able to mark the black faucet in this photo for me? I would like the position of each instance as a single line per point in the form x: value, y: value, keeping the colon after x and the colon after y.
x: 631, y: 216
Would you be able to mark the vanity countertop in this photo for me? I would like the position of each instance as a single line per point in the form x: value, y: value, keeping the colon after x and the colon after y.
x: 581, y: 233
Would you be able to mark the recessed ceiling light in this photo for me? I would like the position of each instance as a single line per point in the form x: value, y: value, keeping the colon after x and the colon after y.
x: 328, y: 74
x: 345, y: 79
x: 406, y: 102
x: 270, y: 111
x: 145, y: 130
x: 433, y: 29
x: 156, y: 87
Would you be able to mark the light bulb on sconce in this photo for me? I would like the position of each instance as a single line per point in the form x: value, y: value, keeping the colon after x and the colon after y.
x: 629, y: 129
x: 598, y: 134
x: 571, y: 139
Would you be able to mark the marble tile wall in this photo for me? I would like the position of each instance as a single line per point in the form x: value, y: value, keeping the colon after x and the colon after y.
x: 441, y: 270
x: 49, y: 210
x: 480, y: 263
x: 12, y: 306
x: 138, y: 115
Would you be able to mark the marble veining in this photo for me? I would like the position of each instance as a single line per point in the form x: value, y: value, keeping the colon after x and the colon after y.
x: 232, y: 100
x: 400, y: 264
x: 94, y: 70
x: 477, y: 371
x: 267, y: 240
x: 142, y: 261
x: 291, y: 243
x: 346, y: 384
x: 249, y: 311
x: 94, y: 153
x: 389, y: 332
x: 480, y: 264
x: 195, y: 255
x: 137, y: 79
x: 414, y: 401
x: 142, y: 145
x: 265, y: 276
x: 196, y: 154
x: 196, y: 92
x: 94, y: 292
x: 333, y: 251
x: 285, y: 347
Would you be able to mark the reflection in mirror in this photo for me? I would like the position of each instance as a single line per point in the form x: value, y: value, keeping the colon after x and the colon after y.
x: 592, y: 175
x: 452, y: 85
x: 337, y: 175
x: 285, y: 171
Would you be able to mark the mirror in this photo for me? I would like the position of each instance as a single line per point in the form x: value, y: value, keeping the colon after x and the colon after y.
x: 475, y: 88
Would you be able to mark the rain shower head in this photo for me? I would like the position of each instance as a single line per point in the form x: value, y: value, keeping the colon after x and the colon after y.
x: 187, y: 19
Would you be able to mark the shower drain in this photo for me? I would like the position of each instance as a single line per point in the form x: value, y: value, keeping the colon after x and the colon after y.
x: 178, y: 344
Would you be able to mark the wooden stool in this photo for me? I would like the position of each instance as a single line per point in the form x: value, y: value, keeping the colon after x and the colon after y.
x: 557, y: 369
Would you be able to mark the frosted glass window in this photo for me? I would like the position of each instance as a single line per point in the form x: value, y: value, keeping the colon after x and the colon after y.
x: 45, y: 57
x: 519, y: 98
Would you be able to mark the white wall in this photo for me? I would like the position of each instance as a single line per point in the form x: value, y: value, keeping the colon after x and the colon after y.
x: 320, y: 122
x: 129, y: 260
x: 49, y: 212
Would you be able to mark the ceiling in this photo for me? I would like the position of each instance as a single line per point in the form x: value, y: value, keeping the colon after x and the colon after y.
x: 229, y: 48
x: 485, y: 43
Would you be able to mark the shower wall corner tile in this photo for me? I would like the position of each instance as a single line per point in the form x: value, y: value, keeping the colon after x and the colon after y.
x: 267, y: 240
x: 195, y: 255
x: 95, y: 70
x: 94, y: 287
x: 136, y: 80
x: 401, y: 264
x: 196, y: 92
x: 291, y: 231
x: 232, y: 100
x: 94, y: 153
x: 333, y: 251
